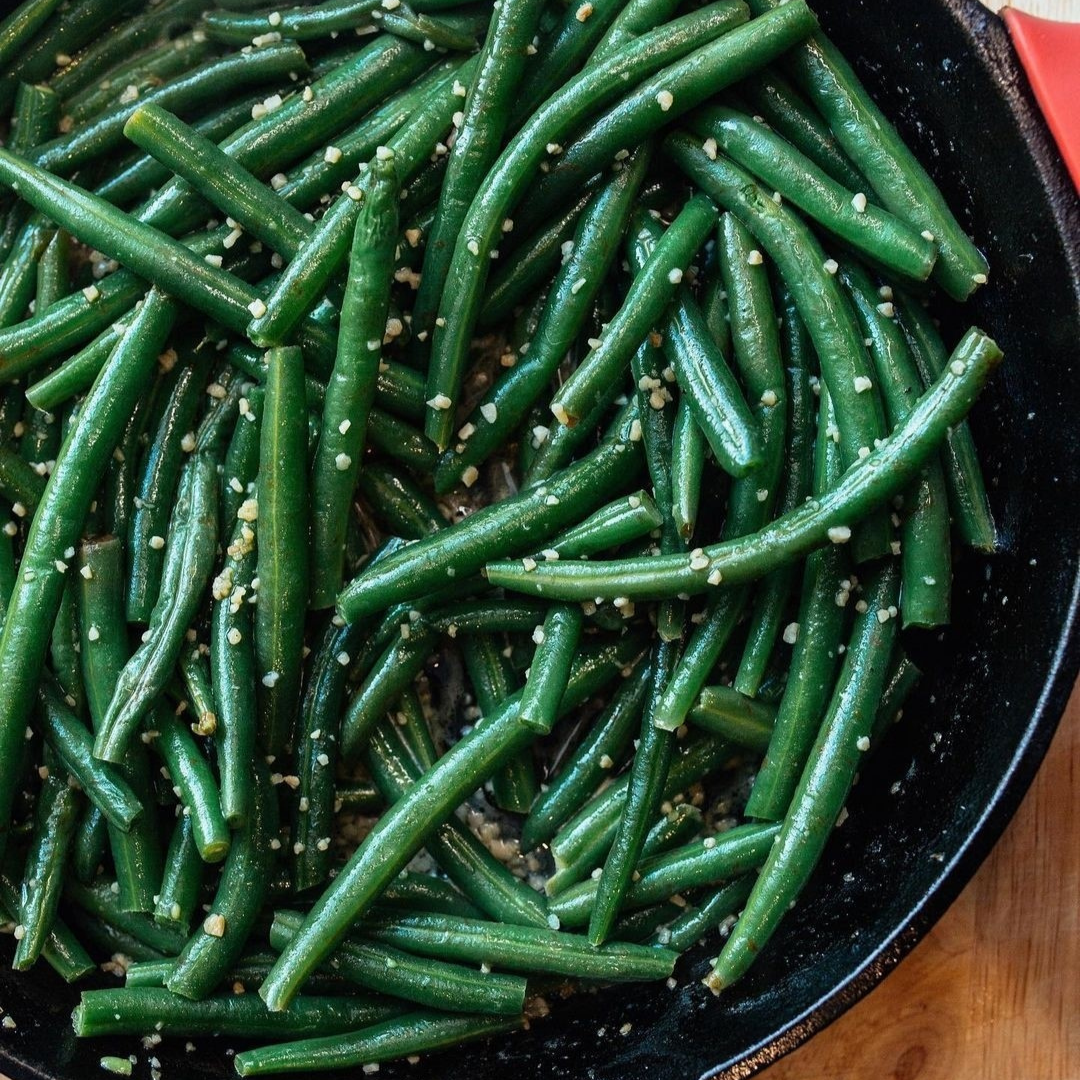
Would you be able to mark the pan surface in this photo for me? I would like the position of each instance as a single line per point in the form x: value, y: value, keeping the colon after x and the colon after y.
x: 932, y: 803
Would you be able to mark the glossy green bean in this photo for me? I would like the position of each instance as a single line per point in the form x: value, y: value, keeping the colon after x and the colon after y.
x: 350, y: 390
x: 518, y: 948
x: 738, y: 718
x: 963, y: 474
x: 136, y: 852
x: 281, y: 563
x: 62, y: 951
x: 691, y: 926
x: 824, y: 784
x: 135, y: 1010
x: 156, y: 489
x: 189, y: 558
x: 19, y: 28
x: 102, y: 902
x: 556, y: 646
x: 213, y: 948
x: 416, y: 1033
x: 181, y: 883
x: 434, y: 983
x: 925, y: 549
x: 771, y: 596
x: 53, y: 274
x: 54, y: 825
x: 872, y: 142
x: 18, y: 276
x: 227, y: 186
x: 687, y: 467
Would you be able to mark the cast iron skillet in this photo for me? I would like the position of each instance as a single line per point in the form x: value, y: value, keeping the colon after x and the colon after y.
x: 994, y: 687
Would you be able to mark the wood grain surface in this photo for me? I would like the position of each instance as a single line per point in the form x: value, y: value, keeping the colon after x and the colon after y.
x: 993, y: 992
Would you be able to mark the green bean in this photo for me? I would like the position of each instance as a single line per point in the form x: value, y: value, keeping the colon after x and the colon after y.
x: 532, y: 263
x: 135, y: 1010
x: 886, y: 239
x: 772, y: 594
x: 18, y: 276
x: 486, y: 616
x: 181, y: 883
x: 398, y: 502
x: 479, y: 139
x: 155, y: 494
x: 54, y: 824
x: 605, y: 744
x: 620, y: 522
x: 53, y: 277
x: 569, y: 301
x: 731, y: 853
x: 214, y: 947
x: 515, y: 524
x: 101, y: 901
x: 206, y: 83
x: 424, y: 981
x: 302, y: 23
x: 518, y: 948
x: 824, y: 784
x: 556, y: 646
x: 192, y: 781
x: 902, y: 680
x: 69, y: 739
x: 200, y: 693
x: 786, y: 111
x: 415, y: 1033
x: 868, y: 138
x: 19, y: 481
x: 189, y: 557
x: 687, y: 467
x: 136, y: 853
x: 925, y: 553
x: 90, y: 844
x: 19, y: 28
x: 649, y: 294
x: 401, y: 442
x: 802, y: 264
x: 486, y: 883
x: 64, y: 652
x: 141, y: 174
x: 403, y: 828
x: 316, y: 753
x: 389, y: 677
x: 738, y: 718
x: 633, y: 19
x: 218, y: 178
x: 358, y: 796
x: 481, y: 228
x: 963, y: 475
x: 56, y: 525
x: 690, y: 927
x: 644, y: 793
x: 351, y: 387
x: 451, y: 31
x: 282, y: 550
x: 673, y: 829
x: 61, y: 950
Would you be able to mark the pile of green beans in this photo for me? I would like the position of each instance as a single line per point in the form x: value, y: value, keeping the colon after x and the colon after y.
x: 445, y: 449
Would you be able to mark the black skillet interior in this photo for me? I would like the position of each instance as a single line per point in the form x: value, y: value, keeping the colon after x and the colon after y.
x: 995, y: 684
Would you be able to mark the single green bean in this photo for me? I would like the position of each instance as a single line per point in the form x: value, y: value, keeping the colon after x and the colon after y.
x: 181, y: 883
x: 19, y: 28
x: 556, y: 646
x: 281, y: 563
x: 738, y: 718
x: 824, y: 784
x: 691, y: 926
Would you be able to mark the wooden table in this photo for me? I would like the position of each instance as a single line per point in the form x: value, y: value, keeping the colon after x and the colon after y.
x: 993, y: 993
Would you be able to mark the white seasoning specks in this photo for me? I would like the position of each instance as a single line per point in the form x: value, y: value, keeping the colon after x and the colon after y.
x: 234, y: 637
x: 791, y: 633
x: 92, y: 293
x: 157, y: 542
x: 754, y: 258
x: 344, y: 426
x: 489, y: 411
x: 957, y: 367
x: 926, y: 234
x: 861, y: 384
x: 474, y: 247
x: 439, y: 402
x: 863, y: 743
x: 699, y: 560
x: 979, y: 279
x: 470, y: 476
x: 332, y: 155
x: 342, y: 462
x: 675, y: 275
x: 214, y: 925
x: 709, y: 146
x: 886, y: 308
x: 858, y: 201
x: 257, y: 308
x: 583, y: 12
x: 839, y: 534
x: 665, y: 99
x: 830, y: 266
